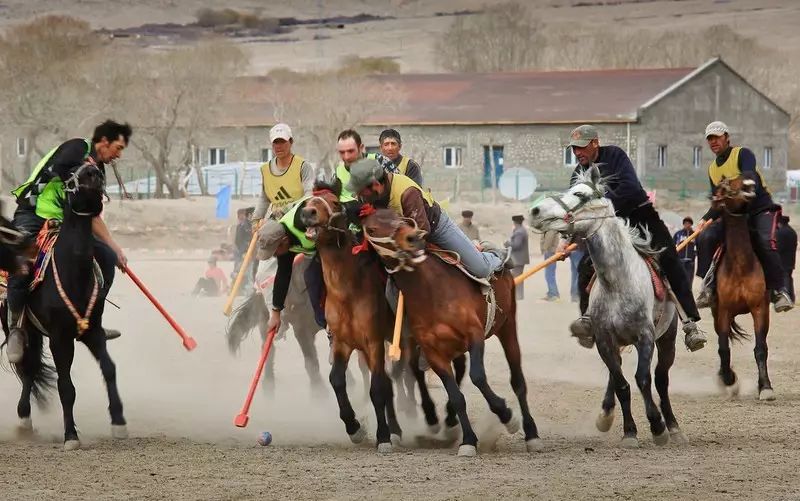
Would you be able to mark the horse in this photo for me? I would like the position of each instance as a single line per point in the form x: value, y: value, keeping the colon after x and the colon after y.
x: 622, y: 304
x: 741, y: 288
x: 298, y: 315
x: 448, y: 316
x: 63, y: 308
x: 358, y: 315
x: 325, y: 215
x: 14, y: 247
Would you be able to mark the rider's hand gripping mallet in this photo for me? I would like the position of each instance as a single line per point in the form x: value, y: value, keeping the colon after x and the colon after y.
x: 544, y: 264
x: 242, y: 418
x: 188, y: 342
x: 240, y: 276
x: 394, y: 349
x: 693, y: 235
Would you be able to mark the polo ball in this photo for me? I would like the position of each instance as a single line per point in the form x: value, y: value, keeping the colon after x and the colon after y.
x: 265, y: 438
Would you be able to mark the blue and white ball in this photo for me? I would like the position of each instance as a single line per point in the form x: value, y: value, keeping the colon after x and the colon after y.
x: 264, y: 438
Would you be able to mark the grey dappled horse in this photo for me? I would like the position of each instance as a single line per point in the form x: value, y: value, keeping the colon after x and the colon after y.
x: 622, y: 303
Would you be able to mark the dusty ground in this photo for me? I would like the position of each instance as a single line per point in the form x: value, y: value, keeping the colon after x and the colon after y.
x: 180, y: 408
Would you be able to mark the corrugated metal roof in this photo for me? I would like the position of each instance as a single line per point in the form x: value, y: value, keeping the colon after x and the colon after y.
x: 496, y: 98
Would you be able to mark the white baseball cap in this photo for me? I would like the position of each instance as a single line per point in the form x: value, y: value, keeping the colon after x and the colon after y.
x: 716, y: 128
x: 280, y: 131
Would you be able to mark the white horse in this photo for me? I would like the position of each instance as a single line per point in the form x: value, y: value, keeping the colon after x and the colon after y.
x: 622, y: 304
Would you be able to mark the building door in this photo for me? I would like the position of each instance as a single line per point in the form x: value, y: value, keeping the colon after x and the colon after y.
x: 487, y: 165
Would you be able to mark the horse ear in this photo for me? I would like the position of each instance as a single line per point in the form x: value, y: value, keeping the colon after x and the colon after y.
x: 594, y: 174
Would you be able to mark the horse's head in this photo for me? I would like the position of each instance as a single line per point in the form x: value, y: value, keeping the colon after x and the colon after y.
x: 578, y: 211
x: 733, y: 195
x: 324, y: 210
x: 84, y: 190
x: 397, y: 240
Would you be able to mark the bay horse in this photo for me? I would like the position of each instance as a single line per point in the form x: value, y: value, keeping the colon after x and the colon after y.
x: 357, y: 313
x: 63, y: 308
x: 447, y: 313
x: 622, y: 304
x: 298, y: 315
x: 741, y: 288
x: 325, y: 215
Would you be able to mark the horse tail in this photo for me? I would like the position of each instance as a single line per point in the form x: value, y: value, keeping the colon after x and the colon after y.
x: 34, y: 367
x: 244, y: 319
x: 737, y: 333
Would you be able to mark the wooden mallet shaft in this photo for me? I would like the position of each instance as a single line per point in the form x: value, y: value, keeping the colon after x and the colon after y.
x: 240, y: 276
x: 394, y: 349
x: 544, y: 264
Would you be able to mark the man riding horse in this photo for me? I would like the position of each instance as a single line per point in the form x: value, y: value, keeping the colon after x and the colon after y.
x: 630, y: 202
x: 762, y: 217
x: 41, y: 197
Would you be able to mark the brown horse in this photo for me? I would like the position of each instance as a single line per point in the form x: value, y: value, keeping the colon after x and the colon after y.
x: 741, y: 287
x: 447, y: 313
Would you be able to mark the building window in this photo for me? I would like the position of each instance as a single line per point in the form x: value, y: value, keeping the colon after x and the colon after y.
x: 662, y: 156
x: 767, y: 157
x: 452, y: 157
x: 22, y: 146
x: 697, y: 156
x: 216, y: 156
x: 569, y: 157
x: 266, y: 154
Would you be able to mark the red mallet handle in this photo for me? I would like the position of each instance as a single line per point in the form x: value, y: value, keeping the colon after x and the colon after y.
x: 242, y: 418
x: 188, y: 342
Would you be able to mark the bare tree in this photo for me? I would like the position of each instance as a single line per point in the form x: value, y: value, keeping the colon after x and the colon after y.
x: 173, y: 99
x: 503, y: 38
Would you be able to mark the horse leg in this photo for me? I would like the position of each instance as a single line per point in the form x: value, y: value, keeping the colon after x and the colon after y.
x: 477, y: 373
x: 25, y: 426
x: 426, y: 402
x: 96, y: 342
x: 380, y: 392
x: 63, y: 352
x: 443, y: 369
x: 645, y: 348
x: 761, y: 324
x: 363, y: 364
x: 611, y: 357
x: 606, y: 417
x: 305, y: 339
x: 508, y: 339
x: 460, y: 366
x: 338, y: 379
x: 722, y: 324
x: 666, y: 357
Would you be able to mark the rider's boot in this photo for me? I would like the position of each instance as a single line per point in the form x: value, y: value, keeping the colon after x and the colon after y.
x: 582, y: 330
x: 781, y: 301
x: 15, y: 345
x: 695, y: 338
x: 502, y: 253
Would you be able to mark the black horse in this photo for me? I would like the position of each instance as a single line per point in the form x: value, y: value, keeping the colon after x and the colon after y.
x: 65, y: 307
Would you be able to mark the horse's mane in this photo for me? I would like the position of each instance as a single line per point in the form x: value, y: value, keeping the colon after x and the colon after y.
x: 585, y: 176
x: 334, y: 186
x: 641, y: 242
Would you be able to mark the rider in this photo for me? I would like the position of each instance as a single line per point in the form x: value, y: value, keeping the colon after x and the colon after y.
x: 763, y: 214
x: 286, y: 178
x: 351, y: 150
x: 374, y: 185
x: 630, y: 202
x: 390, y: 148
x: 285, y: 239
x: 41, y: 198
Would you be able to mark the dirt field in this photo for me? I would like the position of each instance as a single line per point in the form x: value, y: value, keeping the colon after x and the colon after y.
x: 180, y: 407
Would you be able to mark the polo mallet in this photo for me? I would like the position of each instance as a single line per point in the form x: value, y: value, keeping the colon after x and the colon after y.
x: 693, y: 235
x: 394, y: 349
x: 242, y: 272
x: 122, y: 191
x: 188, y: 342
x: 544, y: 264
x: 242, y: 418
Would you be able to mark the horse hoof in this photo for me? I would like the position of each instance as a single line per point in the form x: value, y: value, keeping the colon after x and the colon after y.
x: 385, y: 448
x: 733, y: 390
x: 766, y: 395
x: 534, y: 445
x: 467, y: 451
x: 513, y: 424
x: 359, y: 435
x: 119, y: 431
x: 678, y: 437
x: 452, y: 433
x: 630, y: 443
x: 434, y: 429
x: 72, y: 445
x: 662, y: 438
x: 25, y: 428
x: 604, y: 420
x: 395, y: 439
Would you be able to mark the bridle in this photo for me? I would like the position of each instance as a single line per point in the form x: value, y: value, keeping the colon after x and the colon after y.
x: 733, y: 194
x: 570, y: 212
x: 332, y: 216
x: 386, y: 247
x: 72, y: 185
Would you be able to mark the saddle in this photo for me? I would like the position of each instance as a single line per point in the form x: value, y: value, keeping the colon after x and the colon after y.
x: 656, y: 278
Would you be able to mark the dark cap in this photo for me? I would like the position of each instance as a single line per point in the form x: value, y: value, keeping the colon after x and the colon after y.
x: 518, y: 219
x: 467, y: 213
x: 689, y: 220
